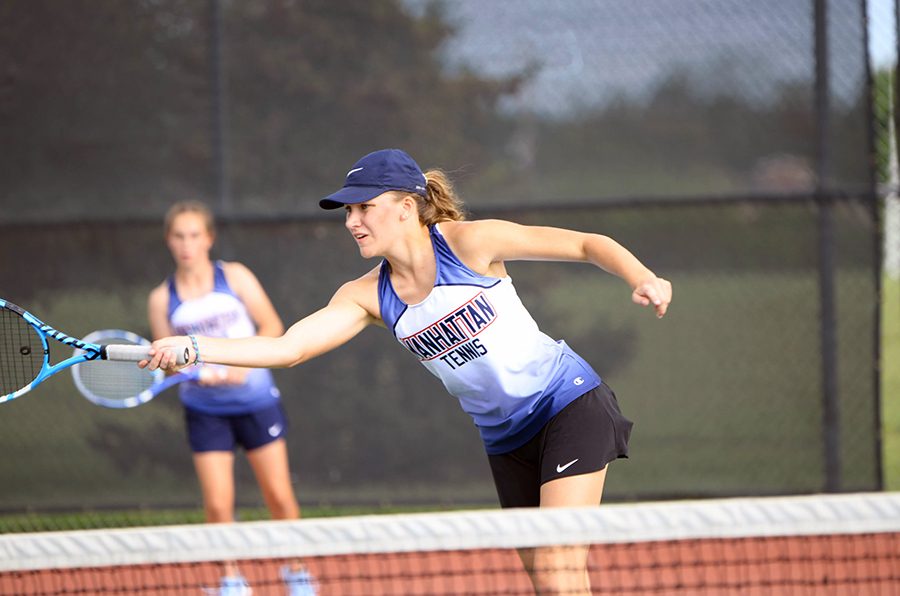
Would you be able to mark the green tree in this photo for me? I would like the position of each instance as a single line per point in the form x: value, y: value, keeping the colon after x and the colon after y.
x: 312, y: 86
x: 101, y: 105
x: 106, y: 107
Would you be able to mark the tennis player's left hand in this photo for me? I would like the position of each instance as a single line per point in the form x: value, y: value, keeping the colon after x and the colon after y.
x: 654, y: 291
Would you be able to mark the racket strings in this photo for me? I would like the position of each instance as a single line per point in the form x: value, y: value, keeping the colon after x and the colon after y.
x: 21, y: 352
x: 112, y: 380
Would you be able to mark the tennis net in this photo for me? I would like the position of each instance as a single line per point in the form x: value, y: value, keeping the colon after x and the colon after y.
x: 823, y: 544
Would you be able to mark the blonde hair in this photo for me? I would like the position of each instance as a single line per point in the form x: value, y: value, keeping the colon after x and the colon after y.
x: 190, y: 207
x: 441, y: 202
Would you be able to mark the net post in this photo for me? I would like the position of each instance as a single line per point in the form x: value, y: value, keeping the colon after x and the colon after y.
x: 826, y: 265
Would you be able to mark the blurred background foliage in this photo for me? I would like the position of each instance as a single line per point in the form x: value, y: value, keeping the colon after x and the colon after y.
x: 110, y: 109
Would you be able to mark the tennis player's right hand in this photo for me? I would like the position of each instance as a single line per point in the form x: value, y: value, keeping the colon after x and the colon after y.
x: 163, y: 353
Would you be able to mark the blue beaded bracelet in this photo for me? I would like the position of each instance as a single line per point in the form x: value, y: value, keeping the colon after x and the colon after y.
x: 196, y: 350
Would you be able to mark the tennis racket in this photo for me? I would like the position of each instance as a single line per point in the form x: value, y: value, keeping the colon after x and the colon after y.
x: 114, y: 384
x: 25, y: 352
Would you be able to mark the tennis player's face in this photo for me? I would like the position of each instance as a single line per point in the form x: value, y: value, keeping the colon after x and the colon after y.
x: 374, y: 224
x: 189, y: 239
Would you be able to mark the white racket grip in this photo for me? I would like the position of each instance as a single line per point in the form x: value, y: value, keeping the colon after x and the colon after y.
x: 138, y: 353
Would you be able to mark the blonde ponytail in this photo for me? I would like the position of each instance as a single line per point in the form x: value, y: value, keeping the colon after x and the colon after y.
x: 441, y: 202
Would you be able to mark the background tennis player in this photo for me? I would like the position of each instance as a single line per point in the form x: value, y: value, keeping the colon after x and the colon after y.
x: 237, y: 406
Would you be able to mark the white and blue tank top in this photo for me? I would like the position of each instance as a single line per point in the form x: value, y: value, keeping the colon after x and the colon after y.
x: 474, y: 333
x: 220, y: 314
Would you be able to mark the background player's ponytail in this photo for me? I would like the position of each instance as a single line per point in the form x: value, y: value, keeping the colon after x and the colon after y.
x: 441, y: 202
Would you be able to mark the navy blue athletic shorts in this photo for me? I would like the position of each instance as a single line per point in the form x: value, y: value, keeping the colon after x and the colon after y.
x: 584, y: 437
x: 209, y: 432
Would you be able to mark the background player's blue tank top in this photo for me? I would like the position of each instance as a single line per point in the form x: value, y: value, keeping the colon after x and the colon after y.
x: 220, y: 314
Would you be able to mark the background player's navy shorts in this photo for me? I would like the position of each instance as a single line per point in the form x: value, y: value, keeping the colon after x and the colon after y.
x: 208, y: 432
x: 584, y: 437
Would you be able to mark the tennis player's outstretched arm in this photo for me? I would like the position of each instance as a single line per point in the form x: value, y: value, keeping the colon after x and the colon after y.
x: 350, y: 310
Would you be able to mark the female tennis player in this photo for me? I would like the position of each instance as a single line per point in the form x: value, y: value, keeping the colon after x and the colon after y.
x: 235, y: 406
x: 550, y: 425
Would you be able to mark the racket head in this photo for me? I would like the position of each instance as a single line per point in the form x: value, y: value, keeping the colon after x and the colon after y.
x: 24, y: 351
x: 115, y: 384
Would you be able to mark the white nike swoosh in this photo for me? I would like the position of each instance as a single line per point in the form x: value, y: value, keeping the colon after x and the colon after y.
x: 560, y: 469
x: 353, y: 170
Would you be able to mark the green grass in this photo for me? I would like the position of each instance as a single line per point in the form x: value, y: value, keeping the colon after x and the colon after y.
x: 86, y: 520
x: 890, y: 379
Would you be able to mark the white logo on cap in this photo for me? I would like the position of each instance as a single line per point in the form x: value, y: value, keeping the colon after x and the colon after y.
x: 353, y: 170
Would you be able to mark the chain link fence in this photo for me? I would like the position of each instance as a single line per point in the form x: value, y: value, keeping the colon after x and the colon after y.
x: 734, y: 147
x: 883, y: 41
